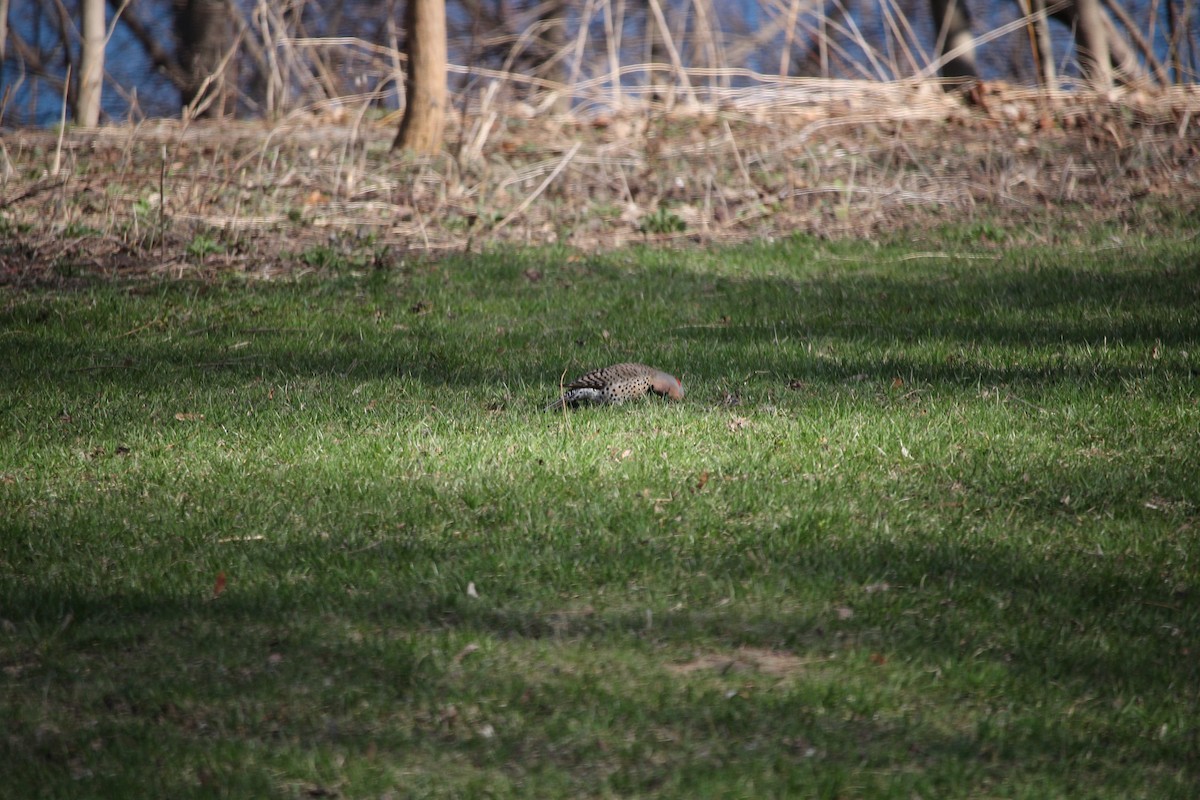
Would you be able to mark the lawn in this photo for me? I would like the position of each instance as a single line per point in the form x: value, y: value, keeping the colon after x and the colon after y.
x: 927, y: 524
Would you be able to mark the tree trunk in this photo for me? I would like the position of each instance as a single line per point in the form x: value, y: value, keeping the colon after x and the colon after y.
x: 206, y: 37
x: 954, y: 31
x: 1091, y: 44
x: 425, y: 84
x: 91, y: 64
x: 3, y: 33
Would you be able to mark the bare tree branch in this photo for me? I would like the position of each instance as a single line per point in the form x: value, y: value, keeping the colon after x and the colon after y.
x: 159, y: 57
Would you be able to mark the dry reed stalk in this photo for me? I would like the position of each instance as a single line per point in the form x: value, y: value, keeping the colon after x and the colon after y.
x: 740, y: 50
x: 1139, y: 40
x: 56, y: 164
x: 612, y: 40
x: 877, y: 70
x: 902, y: 30
x: 669, y: 43
x: 706, y: 31
x: 782, y: 154
x: 482, y: 127
x: 585, y: 22
x: 789, y: 33
x: 821, y: 33
x: 1004, y: 30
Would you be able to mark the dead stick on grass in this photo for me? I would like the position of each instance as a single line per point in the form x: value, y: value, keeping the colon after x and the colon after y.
x: 141, y: 328
x: 538, y: 191
x: 94, y: 367
x: 229, y: 362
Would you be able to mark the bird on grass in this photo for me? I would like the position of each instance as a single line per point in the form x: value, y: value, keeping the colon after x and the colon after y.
x: 616, y: 384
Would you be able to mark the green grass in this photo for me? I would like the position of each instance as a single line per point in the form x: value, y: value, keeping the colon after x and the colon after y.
x: 926, y: 525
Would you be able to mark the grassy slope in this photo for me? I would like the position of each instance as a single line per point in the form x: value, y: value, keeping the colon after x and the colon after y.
x: 944, y: 544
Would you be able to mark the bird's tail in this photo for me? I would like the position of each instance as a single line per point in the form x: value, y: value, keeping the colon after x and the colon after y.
x: 557, y: 405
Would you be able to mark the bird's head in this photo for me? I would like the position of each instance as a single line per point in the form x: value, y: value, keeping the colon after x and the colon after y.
x: 668, y: 385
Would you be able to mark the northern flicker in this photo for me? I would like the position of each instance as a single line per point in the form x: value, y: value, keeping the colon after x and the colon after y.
x: 616, y: 384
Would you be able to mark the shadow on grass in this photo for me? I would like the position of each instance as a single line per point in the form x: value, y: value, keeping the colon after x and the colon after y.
x: 1039, y: 670
x: 479, y: 322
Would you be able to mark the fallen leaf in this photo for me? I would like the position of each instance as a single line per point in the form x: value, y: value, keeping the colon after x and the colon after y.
x: 219, y: 585
x: 188, y: 417
x: 878, y: 659
x: 737, y: 423
x: 897, y: 383
x: 471, y: 591
x: 532, y: 275
x: 845, y: 612
x: 872, y: 588
x: 466, y: 651
x: 703, y: 481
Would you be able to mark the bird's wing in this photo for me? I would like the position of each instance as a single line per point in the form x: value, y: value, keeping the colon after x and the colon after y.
x: 599, y: 378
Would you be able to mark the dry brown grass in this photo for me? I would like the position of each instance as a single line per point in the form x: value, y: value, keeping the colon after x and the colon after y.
x: 832, y: 159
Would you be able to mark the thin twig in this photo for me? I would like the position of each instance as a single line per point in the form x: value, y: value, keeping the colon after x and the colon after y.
x: 56, y: 165
x: 33, y: 191
x: 668, y: 42
x: 537, y: 192
x: 138, y: 329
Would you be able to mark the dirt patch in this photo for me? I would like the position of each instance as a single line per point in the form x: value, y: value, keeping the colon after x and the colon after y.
x: 827, y: 159
x: 745, y: 660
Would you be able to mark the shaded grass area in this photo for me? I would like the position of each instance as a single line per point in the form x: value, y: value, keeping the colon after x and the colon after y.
x: 926, y: 524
